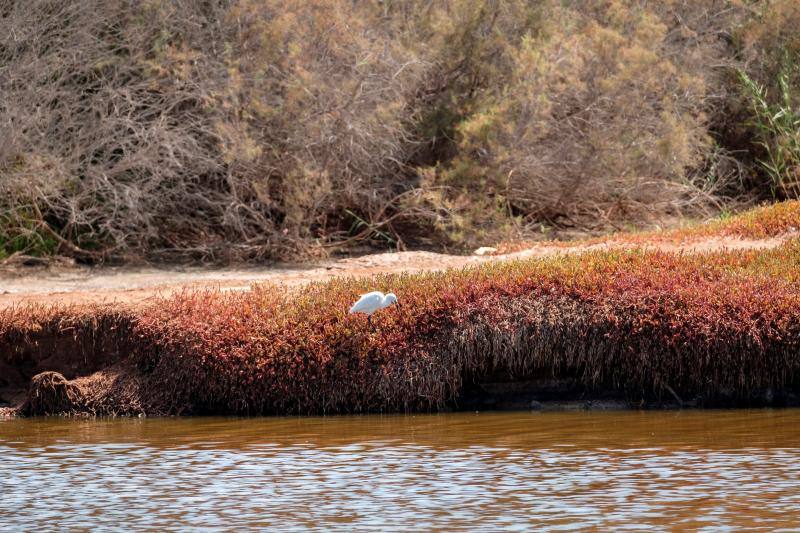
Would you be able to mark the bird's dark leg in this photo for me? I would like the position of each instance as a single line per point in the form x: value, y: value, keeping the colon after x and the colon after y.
x: 369, y: 320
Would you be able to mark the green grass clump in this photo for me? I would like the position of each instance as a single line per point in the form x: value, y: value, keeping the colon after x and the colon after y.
x: 778, y: 126
x: 23, y: 235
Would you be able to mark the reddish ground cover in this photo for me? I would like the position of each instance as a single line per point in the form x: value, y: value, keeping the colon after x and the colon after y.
x: 712, y: 327
x: 718, y: 324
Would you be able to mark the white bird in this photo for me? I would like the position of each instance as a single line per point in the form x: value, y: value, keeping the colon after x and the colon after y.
x: 373, y: 301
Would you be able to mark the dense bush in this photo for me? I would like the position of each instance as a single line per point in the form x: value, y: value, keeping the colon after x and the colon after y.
x: 599, y: 112
x: 244, y: 129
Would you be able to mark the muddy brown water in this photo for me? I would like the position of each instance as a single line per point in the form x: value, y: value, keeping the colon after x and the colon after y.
x: 713, y: 470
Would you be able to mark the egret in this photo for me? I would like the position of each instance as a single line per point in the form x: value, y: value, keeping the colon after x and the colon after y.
x: 373, y: 301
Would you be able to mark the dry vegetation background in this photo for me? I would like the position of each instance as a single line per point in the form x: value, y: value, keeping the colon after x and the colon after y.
x: 262, y: 129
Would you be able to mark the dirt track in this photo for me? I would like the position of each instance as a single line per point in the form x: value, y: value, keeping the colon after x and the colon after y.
x: 134, y: 286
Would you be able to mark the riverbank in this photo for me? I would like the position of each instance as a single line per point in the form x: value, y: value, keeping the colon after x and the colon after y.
x: 639, y: 323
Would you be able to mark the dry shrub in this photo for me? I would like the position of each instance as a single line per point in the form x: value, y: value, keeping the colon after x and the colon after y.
x: 769, y: 36
x: 323, y: 103
x: 599, y: 115
x: 102, y: 157
x: 248, y: 130
x: 205, y: 130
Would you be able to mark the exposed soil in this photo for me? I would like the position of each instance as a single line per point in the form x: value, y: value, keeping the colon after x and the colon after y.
x: 39, y: 362
x: 132, y: 287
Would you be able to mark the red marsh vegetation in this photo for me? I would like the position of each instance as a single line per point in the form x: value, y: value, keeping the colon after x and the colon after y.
x: 708, y: 328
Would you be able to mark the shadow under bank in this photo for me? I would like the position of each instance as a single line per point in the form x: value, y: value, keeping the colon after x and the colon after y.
x: 117, y: 389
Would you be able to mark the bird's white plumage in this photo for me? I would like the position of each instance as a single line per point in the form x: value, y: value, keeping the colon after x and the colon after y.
x: 373, y: 301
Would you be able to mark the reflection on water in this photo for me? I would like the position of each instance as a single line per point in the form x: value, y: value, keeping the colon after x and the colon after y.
x: 473, y: 471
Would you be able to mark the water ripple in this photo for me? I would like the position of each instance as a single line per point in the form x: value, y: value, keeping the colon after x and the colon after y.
x: 489, y: 472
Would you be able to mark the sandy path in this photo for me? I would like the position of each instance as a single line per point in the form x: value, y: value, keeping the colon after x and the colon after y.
x: 134, y: 286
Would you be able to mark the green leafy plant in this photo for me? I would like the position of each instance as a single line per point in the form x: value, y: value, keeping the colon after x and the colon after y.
x: 20, y: 234
x: 778, y: 125
x: 364, y: 230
